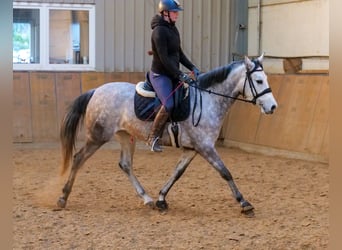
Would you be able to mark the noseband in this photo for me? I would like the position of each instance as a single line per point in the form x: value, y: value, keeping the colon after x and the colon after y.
x: 256, y: 95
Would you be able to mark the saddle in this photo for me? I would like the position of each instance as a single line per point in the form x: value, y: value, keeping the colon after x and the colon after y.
x: 147, y: 103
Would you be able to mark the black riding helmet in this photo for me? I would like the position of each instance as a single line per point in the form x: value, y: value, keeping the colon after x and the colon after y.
x: 169, y: 5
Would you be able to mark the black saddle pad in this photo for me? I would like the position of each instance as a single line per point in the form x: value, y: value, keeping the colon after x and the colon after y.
x: 146, y: 108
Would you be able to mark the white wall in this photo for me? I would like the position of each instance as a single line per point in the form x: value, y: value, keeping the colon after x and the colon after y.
x: 297, y: 28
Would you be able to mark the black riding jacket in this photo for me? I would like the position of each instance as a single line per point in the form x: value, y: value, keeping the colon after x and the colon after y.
x: 166, y: 48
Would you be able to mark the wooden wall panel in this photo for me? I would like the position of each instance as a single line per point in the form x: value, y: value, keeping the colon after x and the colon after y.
x: 44, y: 113
x: 117, y: 77
x: 68, y: 87
x: 296, y: 98
x: 22, y: 126
x: 320, y: 120
x: 268, y: 132
x: 242, y: 122
x: 91, y: 80
x: 137, y: 77
x: 324, y: 151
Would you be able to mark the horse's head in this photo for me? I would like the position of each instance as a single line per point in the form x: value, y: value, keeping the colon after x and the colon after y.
x: 256, y: 87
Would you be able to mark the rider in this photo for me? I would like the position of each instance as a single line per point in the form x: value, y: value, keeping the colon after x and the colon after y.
x: 165, y: 72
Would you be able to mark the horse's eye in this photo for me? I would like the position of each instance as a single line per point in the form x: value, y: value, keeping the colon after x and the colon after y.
x: 259, y: 81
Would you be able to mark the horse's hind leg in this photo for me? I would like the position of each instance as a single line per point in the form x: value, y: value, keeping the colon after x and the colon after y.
x: 213, y: 158
x: 183, y: 163
x: 79, y: 159
x: 126, y: 161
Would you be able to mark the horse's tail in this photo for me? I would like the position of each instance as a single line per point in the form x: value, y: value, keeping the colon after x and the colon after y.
x: 69, y: 127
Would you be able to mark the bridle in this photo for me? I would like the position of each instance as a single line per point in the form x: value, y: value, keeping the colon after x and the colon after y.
x: 256, y: 95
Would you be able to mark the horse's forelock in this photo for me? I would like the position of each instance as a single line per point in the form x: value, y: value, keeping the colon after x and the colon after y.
x: 217, y: 75
x: 257, y: 64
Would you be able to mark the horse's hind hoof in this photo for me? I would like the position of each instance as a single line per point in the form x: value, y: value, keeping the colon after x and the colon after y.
x: 247, y: 209
x: 248, y: 213
x: 61, y: 202
x: 162, y: 205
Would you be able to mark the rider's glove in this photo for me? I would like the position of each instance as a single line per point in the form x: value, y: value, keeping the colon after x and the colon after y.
x: 196, y: 72
x: 186, y: 79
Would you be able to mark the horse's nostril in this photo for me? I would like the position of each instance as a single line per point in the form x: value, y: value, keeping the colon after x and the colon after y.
x: 273, y: 107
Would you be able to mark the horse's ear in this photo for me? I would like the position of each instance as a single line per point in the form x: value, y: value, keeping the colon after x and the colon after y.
x: 261, y: 58
x: 248, y: 63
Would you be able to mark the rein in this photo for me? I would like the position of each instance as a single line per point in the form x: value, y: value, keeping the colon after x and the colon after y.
x: 255, y: 94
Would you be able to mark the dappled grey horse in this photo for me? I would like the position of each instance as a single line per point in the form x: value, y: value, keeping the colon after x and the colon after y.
x: 108, y: 110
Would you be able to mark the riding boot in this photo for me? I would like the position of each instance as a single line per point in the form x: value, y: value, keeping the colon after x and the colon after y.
x: 157, y: 129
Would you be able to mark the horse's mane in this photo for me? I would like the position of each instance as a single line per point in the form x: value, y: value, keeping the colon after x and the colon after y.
x: 216, y: 75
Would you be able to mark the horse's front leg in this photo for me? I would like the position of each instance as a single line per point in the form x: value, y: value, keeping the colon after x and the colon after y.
x: 211, y: 155
x: 183, y: 163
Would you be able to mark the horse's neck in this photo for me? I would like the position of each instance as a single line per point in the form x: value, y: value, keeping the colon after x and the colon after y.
x: 228, y: 100
x: 230, y: 88
x: 219, y: 97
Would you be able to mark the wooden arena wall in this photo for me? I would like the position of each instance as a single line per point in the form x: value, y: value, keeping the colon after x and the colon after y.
x: 299, y: 125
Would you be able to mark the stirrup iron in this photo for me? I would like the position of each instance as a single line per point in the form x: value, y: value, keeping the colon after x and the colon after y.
x: 154, y: 143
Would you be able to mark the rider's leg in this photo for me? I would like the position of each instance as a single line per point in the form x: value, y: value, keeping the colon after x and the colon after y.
x: 163, y: 87
x: 157, y: 129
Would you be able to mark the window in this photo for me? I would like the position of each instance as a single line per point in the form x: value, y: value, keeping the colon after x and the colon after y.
x: 26, y: 36
x: 53, y: 37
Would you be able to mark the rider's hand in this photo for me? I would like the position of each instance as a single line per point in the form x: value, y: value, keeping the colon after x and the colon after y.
x: 196, y: 72
x: 186, y: 79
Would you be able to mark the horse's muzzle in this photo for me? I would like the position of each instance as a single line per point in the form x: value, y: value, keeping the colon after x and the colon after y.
x: 269, y: 111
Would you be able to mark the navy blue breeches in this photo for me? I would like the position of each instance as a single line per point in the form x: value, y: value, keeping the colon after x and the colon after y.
x: 163, y: 87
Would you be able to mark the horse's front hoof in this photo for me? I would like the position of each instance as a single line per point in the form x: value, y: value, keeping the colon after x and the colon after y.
x: 247, y: 209
x: 61, y: 202
x: 162, y: 205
